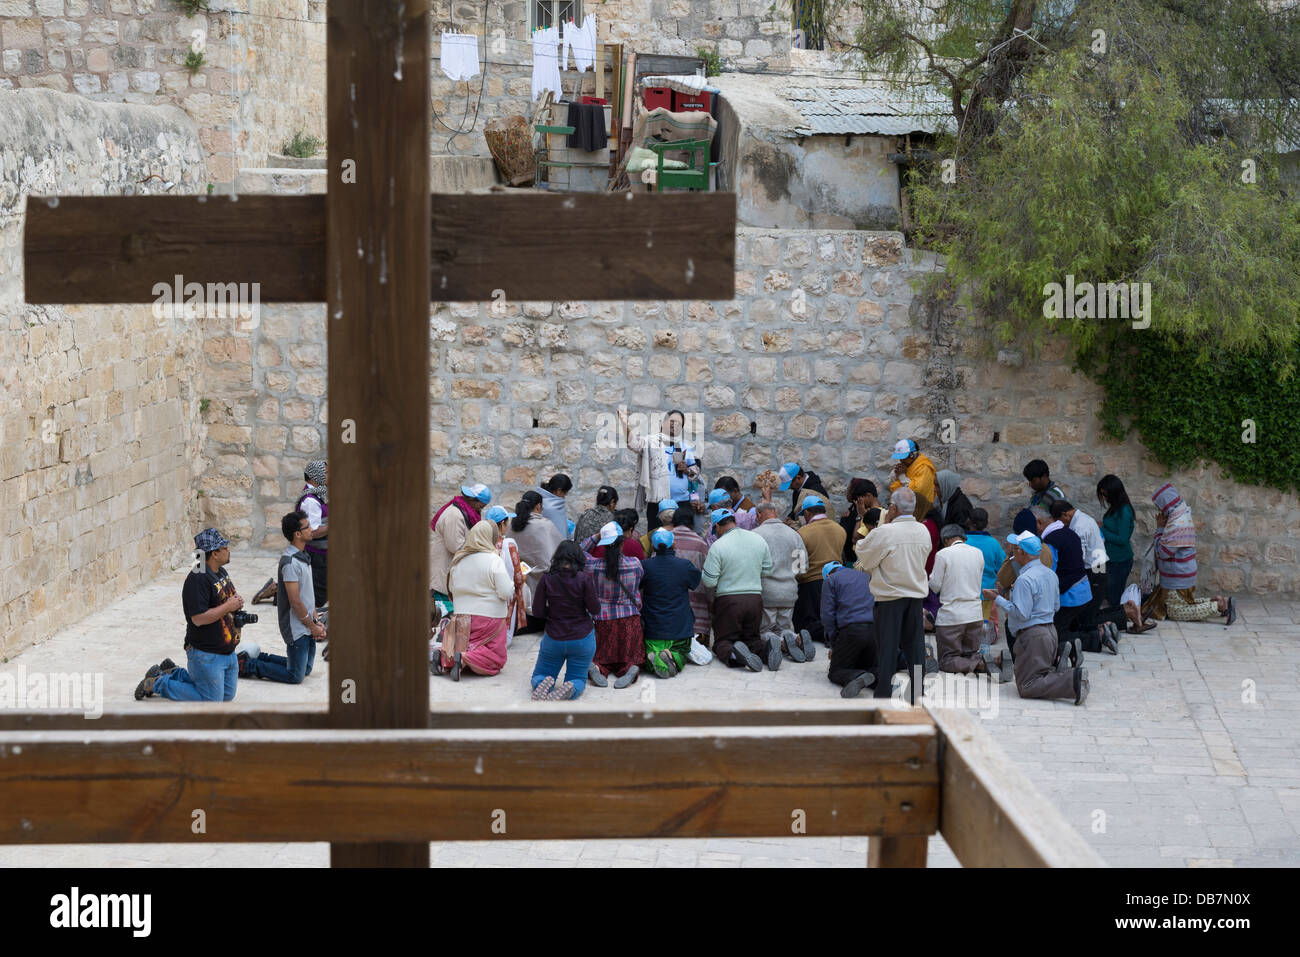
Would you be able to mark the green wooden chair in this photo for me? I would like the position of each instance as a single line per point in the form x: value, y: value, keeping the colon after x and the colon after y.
x: 695, y: 177
x: 545, y: 163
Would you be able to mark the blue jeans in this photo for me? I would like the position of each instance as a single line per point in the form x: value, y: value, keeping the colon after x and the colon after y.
x: 210, y: 677
x: 552, y: 654
x: 289, y: 670
x: 1116, y: 576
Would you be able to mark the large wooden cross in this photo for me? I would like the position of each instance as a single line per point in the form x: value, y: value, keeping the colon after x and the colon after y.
x: 377, y: 775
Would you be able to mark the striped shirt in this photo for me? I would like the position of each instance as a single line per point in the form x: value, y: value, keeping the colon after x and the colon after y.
x: 618, y: 599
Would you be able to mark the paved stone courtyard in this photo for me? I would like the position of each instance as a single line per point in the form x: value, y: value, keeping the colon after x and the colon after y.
x: 1187, y: 752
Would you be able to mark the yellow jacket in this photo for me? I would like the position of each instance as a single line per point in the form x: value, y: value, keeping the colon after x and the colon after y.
x: 920, y: 479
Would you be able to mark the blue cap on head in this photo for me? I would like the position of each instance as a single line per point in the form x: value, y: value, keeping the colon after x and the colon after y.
x: 1026, y: 540
x: 810, y: 501
x: 786, y: 474
x: 667, y: 505
x: 209, y: 540
x: 608, y: 532
x: 904, y: 448
x: 478, y: 491
x: 497, y: 514
x: 719, y: 495
x: 719, y: 514
x: 830, y: 567
x: 661, y: 536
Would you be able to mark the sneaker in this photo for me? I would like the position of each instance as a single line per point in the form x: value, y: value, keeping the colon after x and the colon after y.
x: 542, y: 692
x: 658, y: 663
x: 455, y: 667
x: 699, y: 655
x: 774, y: 653
x: 596, y: 678
x: 1108, y: 637
x: 931, y: 663
x: 809, y: 648
x: 166, y: 665
x: 740, y: 651
x: 1080, y: 685
x: 627, y: 677
x: 561, y: 692
x: 793, y: 646
x: 858, y: 685
x: 145, y: 688
x: 671, y: 662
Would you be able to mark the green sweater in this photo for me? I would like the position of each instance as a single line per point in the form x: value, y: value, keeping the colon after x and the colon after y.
x: 737, y: 563
x: 1117, y: 530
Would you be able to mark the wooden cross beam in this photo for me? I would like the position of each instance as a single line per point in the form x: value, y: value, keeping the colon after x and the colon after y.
x: 377, y: 250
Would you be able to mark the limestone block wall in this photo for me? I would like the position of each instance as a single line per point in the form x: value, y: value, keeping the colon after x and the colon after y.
x: 100, y: 433
x: 264, y: 75
x: 825, y: 357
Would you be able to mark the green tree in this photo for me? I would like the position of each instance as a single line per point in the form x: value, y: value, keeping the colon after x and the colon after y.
x: 1121, y: 141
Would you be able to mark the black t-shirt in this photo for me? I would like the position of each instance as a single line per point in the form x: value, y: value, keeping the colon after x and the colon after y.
x: 203, y: 590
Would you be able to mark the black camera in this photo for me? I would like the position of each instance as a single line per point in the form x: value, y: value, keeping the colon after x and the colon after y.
x: 241, y: 618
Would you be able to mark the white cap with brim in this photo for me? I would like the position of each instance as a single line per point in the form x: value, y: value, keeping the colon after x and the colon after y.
x: 608, y: 532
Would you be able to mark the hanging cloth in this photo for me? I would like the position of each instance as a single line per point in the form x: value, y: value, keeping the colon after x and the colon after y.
x: 546, y: 65
x: 459, y: 57
x: 581, y: 40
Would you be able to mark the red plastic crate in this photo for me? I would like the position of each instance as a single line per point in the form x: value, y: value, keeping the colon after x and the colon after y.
x: 683, y: 102
x: 657, y: 96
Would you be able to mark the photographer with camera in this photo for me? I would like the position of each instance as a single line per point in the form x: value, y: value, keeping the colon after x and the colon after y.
x: 213, y: 618
x: 295, y: 600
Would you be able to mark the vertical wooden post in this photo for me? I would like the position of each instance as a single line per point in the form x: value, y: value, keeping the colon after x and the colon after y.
x: 906, y: 851
x: 378, y: 211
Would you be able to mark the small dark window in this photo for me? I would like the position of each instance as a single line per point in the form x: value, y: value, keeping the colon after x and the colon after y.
x: 535, y: 426
x: 753, y: 428
x: 996, y: 436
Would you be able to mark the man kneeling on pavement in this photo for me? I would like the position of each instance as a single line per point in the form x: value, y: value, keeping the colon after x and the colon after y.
x: 1033, y: 602
x: 295, y: 601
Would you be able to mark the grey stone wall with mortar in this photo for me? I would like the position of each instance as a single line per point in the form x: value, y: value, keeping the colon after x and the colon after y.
x: 827, y: 351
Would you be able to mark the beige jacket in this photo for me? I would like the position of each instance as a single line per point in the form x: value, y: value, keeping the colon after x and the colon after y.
x: 894, y: 555
x: 447, y: 538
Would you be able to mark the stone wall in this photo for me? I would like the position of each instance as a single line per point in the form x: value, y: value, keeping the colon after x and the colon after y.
x: 269, y: 52
x: 100, y: 439
x: 826, y: 355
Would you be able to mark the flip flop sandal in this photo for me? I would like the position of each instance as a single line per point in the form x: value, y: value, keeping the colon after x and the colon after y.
x: 543, y: 690
x: 265, y: 594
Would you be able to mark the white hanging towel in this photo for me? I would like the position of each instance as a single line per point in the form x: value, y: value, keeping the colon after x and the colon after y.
x: 546, y: 65
x: 581, y: 40
x: 459, y: 57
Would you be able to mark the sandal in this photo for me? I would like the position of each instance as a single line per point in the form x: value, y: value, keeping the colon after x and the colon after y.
x: 265, y: 594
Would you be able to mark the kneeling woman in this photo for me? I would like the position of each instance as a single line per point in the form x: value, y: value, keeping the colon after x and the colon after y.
x: 566, y: 600
x: 1175, y: 548
x: 666, y: 615
x: 481, y: 589
x: 620, y: 647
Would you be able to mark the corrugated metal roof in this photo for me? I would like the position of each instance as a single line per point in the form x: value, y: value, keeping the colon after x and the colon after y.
x: 864, y: 110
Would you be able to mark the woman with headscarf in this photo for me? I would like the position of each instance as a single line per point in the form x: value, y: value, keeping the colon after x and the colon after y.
x: 481, y: 590
x: 553, y: 492
x: 536, y: 539
x: 1175, y: 552
x: 620, y: 642
x: 517, y: 612
x: 951, y: 500
x: 314, y: 503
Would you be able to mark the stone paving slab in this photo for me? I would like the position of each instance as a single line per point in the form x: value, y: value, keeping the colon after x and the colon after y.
x: 1186, y: 754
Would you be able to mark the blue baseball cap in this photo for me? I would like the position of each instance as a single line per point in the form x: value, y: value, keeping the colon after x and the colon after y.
x: 209, y: 540
x: 1026, y: 540
x: 720, y: 514
x: 661, y: 536
x: 904, y: 448
x: 810, y: 501
x: 719, y: 495
x: 830, y: 567
x: 608, y: 532
x: 478, y: 491
x: 667, y: 505
x: 497, y: 514
x: 786, y: 474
